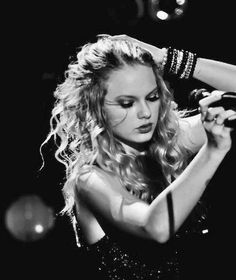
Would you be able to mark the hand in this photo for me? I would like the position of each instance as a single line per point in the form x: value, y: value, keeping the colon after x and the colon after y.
x: 213, y: 118
x: 157, y: 53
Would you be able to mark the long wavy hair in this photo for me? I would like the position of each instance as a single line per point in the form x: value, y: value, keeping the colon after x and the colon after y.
x: 81, y: 130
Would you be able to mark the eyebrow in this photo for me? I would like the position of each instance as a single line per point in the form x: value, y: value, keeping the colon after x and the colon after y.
x: 134, y: 96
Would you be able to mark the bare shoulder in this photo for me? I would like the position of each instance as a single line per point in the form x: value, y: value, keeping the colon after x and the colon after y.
x: 106, y: 198
x: 98, y: 184
x: 95, y: 178
x: 192, y: 133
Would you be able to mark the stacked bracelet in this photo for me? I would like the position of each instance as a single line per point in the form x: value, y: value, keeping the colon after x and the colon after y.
x: 179, y: 62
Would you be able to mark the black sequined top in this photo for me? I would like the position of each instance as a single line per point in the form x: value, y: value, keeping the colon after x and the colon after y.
x: 122, y: 260
x: 117, y: 256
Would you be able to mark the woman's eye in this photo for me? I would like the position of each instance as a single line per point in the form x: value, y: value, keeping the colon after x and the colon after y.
x: 126, y: 103
x: 153, y: 98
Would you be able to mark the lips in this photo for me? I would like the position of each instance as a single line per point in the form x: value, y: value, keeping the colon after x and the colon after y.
x: 145, y: 125
x: 145, y: 128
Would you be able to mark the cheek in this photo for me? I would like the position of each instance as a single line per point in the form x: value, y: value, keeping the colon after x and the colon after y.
x: 155, y: 108
x: 116, y: 116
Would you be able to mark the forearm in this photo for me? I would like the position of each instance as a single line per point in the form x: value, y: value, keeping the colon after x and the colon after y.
x: 186, y: 65
x: 185, y: 192
x: 220, y: 75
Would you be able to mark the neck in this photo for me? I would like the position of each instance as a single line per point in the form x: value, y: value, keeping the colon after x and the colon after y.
x: 135, y: 148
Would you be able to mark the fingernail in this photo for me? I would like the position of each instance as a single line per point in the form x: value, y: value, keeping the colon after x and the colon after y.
x: 231, y: 118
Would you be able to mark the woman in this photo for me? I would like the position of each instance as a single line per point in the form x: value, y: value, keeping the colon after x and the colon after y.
x: 136, y: 167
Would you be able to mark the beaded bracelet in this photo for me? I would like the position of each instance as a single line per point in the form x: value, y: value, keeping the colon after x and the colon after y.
x: 179, y: 62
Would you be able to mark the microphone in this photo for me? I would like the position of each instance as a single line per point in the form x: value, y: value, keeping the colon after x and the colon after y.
x: 228, y: 101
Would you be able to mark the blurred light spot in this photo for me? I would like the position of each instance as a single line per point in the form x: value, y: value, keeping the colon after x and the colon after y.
x: 180, y: 2
x: 29, y: 218
x: 166, y: 9
x: 178, y: 11
x: 39, y: 228
x: 162, y: 15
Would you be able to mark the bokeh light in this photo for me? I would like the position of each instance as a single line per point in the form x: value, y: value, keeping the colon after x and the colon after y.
x: 29, y: 218
x: 165, y: 10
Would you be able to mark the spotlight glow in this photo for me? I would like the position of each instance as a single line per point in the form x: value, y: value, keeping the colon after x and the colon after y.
x: 29, y: 218
x: 163, y: 10
x: 162, y: 15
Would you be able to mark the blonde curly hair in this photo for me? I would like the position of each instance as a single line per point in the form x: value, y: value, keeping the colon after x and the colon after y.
x: 81, y: 130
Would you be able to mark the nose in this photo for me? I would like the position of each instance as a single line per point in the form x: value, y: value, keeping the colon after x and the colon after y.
x: 144, y: 111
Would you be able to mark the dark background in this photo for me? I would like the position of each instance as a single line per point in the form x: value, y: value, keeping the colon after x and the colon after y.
x: 37, y: 40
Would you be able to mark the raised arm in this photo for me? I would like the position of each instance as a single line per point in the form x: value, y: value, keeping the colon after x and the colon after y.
x: 187, y: 189
x: 219, y: 75
x: 106, y: 198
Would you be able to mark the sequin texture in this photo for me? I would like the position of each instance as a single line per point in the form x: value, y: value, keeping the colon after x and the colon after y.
x: 115, y: 262
x: 115, y: 257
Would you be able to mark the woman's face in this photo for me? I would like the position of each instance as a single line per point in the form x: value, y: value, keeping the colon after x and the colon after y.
x: 132, y: 104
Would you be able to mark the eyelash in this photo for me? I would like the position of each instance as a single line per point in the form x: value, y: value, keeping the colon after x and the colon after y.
x: 128, y: 104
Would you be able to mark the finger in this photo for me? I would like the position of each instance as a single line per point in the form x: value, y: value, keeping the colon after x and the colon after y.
x: 231, y: 118
x: 211, y: 113
x: 103, y: 35
x: 121, y: 37
x: 213, y: 97
x: 225, y: 115
x: 220, y: 130
x: 116, y: 37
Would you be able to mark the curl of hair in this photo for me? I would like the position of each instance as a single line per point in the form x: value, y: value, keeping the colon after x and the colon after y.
x: 80, y: 128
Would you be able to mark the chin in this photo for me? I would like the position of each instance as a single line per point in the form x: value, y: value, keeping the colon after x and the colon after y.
x: 137, y: 142
x: 143, y: 138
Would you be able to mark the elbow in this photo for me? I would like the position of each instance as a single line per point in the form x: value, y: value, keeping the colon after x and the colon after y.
x: 158, y: 232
